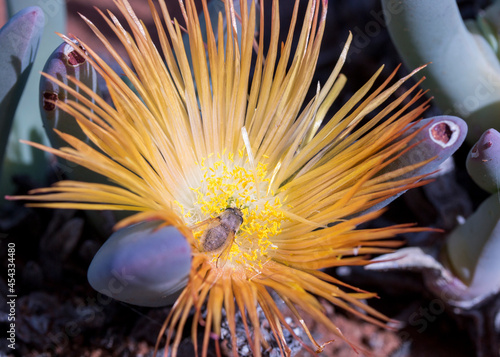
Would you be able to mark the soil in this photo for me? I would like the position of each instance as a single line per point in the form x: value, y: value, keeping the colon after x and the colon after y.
x: 59, y: 314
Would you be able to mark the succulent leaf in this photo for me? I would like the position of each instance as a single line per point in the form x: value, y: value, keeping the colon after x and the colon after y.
x: 464, y: 71
x: 473, y: 248
x: 483, y: 161
x: 438, y: 138
x: 19, y: 41
x: 27, y: 125
x: 142, y: 265
x: 63, y: 62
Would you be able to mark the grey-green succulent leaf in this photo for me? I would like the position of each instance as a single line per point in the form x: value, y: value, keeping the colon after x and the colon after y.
x: 464, y: 73
x: 437, y: 139
x: 142, y: 265
x: 483, y: 161
x: 473, y: 249
x: 19, y: 41
x: 63, y: 62
x: 27, y: 125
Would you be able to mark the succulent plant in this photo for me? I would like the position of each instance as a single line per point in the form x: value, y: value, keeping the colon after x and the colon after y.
x: 463, y: 77
x: 130, y: 249
x: 27, y: 124
x: 145, y: 144
x: 467, y: 267
x: 434, y: 140
x: 19, y: 41
x: 149, y: 266
x: 465, y: 272
x: 464, y: 70
x: 471, y: 250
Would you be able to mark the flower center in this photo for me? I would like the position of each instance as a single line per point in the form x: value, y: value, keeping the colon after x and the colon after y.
x: 232, y: 183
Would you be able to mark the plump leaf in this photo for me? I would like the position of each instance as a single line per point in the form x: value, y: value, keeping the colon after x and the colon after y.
x: 142, y: 265
x: 483, y: 161
x: 19, y: 41
x: 473, y: 248
x: 63, y: 62
x: 440, y: 137
x: 27, y: 124
x: 463, y: 71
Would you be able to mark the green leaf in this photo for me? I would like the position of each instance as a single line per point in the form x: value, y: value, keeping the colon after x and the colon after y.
x: 19, y: 41
x: 20, y: 158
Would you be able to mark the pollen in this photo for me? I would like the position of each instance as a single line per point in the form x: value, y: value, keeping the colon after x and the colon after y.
x: 229, y: 180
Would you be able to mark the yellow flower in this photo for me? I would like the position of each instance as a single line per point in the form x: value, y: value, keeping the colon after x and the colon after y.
x: 221, y: 144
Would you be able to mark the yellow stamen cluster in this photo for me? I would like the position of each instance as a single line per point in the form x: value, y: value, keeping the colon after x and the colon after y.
x: 228, y: 183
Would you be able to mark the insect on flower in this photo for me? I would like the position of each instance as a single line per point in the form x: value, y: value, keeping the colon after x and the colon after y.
x: 219, y: 143
x: 219, y: 235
